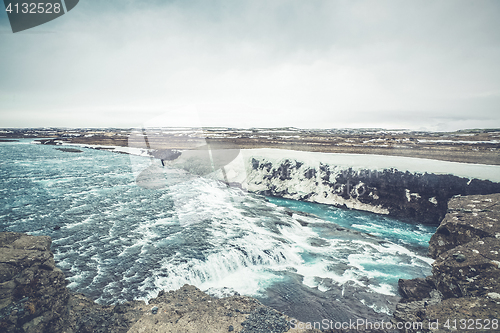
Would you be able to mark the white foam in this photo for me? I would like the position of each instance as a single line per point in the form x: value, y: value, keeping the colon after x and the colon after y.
x: 381, y: 309
x: 383, y: 288
x: 247, y: 275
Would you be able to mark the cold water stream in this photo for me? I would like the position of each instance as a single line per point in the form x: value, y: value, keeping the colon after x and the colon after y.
x: 117, y: 241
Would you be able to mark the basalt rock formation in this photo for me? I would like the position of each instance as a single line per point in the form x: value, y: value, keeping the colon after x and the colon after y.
x: 415, y: 197
x: 464, y: 289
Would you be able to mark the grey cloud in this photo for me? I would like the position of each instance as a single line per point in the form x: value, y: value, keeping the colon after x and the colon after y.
x: 294, y: 63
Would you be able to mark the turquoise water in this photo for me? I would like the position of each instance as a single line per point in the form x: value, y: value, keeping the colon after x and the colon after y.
x: 117, y: 241
x: 416, y: 235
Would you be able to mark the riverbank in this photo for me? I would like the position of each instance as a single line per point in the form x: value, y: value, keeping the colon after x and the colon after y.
x: 476, y: 146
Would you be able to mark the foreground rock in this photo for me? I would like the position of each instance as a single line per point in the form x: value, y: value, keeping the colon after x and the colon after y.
x: 34, y: 298
x: 191, y: 310
x: 469, y: 218
x: 33, y: 294
x: 464, y: 290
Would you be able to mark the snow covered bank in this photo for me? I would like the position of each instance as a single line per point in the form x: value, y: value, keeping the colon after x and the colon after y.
x: 380, y: 163
x: 405, y: 187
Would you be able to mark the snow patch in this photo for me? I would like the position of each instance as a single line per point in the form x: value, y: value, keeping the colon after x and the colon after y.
x: 410, y: 195
x: 494, y: 295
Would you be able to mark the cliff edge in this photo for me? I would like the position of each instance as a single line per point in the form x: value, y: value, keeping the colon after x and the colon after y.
x: 463, y: 292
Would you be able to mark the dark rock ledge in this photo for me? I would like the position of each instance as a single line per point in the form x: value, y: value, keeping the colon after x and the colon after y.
x: 34, y: 298
x: 465, y: 281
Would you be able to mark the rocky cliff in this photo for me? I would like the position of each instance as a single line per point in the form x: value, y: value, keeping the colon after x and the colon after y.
x: 464, y: 289
x: 420, y: 197
x: 33, y: 294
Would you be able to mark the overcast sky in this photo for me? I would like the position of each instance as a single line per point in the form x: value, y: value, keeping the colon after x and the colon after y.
x: 431, y: 65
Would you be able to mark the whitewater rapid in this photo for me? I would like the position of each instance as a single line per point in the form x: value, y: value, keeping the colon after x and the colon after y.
x: 118, y: 241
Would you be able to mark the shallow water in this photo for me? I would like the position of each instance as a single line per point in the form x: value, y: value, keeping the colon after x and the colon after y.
x: 117, y: 241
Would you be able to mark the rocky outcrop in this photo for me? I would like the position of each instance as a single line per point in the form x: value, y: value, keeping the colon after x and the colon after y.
x: 33, y: 293
x: 468, y: 219
x: 417, y: 197
x: 34, y: 298
x: 191, y: 310
x: 464, y: 289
